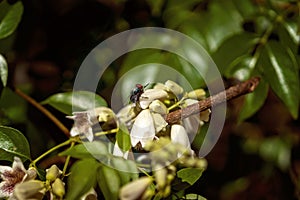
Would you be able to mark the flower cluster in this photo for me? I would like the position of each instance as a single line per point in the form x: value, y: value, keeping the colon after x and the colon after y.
x: 21, y: 184
x: 146, y: 118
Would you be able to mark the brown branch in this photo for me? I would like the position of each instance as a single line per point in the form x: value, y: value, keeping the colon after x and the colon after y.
x: 231, y: 93
x: 44, y: 111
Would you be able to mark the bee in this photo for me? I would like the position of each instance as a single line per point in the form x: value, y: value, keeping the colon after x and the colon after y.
x: 136, y: 93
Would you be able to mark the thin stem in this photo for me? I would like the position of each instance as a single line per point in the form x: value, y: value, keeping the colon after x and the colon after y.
x: 51, y: 150
x: 67, y: 162
x: 143, y: 171
x: 44, y: 111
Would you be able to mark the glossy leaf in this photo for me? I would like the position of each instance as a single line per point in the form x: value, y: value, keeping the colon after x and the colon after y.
x: 231, y: 49
x: 254, y: 101
x: 69, y: 102
x: 222, y: 21
x: 82, y: 178
x: 3, y: 70
x: 93, y: 149
x: 109, y: 182
x: 123, y: 138
x: 189, y: 175
x: 13, y: 143
x: 281, y: 72
x: 11, y: 20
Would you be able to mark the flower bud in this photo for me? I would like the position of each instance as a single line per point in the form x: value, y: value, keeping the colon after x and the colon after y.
x: 158, y: 107
x: 201, y: 163
x: 32, y: 189
x: 52, y: 173
x: 58, y: 188
x: 136, y: 189
x: 196, y: 94
x: 161, y: 177
x: 174, y: 87
x: 150, y: 95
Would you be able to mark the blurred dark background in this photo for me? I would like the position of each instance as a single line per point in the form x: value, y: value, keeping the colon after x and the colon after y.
x: 256, y: 158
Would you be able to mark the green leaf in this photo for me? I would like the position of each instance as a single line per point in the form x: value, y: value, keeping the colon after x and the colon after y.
x: 246, y: 8
x: 13, y: 106
x: 93, y: 149
x: 232, y: 48
x: 189, y: 175
x: 82, y: 178
x: 281, y: 71
x: 276, y: 150
x: 3, y: 70
x: 13, y: 143
x: 254, y: 101
x: 123, y: 138
x: 11, y: 20
x: 69, y: 102
x: 109, y: 182
x: 127, y: 169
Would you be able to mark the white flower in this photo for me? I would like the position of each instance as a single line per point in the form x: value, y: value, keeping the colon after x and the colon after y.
x: 174, y: 87
x: 150, y: 95
x: 143, y: 128
x: 158, y: 107
x: 179, y: 136
x: 83, y: 121
x: 13, y: 175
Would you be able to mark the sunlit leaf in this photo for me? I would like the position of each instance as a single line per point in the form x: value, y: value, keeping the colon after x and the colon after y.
x: 11, y: 20
x: 123, y: 138
x: 69, y: 102
x: 189, y: 175
x: 281, y: 71
x: 13, y: 143
x: 254, y: 101
x: 82, y: 178
x: 109, y: 182
x: 3, y: 70
x: 93, y: 149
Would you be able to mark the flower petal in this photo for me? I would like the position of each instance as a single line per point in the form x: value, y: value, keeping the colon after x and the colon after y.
x: 150, y: 95
x: 142, y: 129
x: 119, y: 152
x: 174, y: 87
x: 17, y: 164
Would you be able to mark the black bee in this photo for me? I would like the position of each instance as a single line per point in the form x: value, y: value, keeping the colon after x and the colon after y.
x: 136, y: 93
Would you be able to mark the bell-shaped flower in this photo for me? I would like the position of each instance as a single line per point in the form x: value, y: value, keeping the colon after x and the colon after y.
x: 143, y: 128
x: 179, y: 136
x: 11, y: 176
